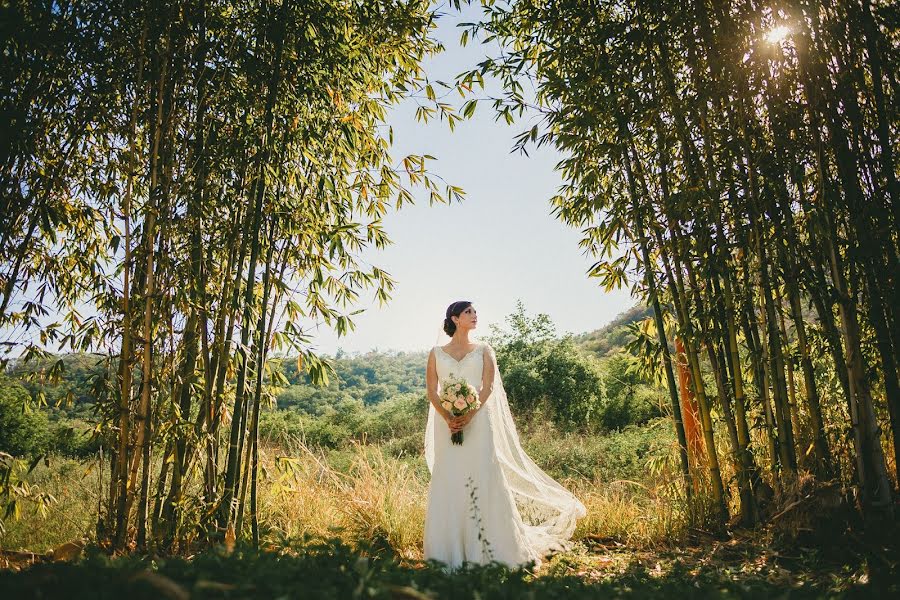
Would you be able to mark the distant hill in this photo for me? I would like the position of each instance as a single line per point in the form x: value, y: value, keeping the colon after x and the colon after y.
x: 612, y: 337
x: 365, y: 377
x: 369, y: 378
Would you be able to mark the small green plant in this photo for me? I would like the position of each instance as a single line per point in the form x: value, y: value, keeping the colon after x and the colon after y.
x: 16, y: 490
x: 486, y: 549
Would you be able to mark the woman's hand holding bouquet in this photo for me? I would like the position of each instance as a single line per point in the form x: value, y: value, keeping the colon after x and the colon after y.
x: 460, y: 400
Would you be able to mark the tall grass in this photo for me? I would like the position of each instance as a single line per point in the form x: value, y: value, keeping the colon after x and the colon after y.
x: 377, y: 492
x: 75, y: 486
x: 378, y: 498
x: 365, y: 492
x: 630, y: 513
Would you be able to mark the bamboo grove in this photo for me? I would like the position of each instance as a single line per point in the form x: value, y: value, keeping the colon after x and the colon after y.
x: 203, y: 177
x: 736, y: 162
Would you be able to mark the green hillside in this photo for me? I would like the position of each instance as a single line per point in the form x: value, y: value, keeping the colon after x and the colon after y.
x: 613, y: 336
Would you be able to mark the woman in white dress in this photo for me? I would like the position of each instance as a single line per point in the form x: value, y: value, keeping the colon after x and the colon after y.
x: 487, y: 500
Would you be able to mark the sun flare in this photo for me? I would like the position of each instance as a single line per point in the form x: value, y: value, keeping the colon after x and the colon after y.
x: 777, y: 34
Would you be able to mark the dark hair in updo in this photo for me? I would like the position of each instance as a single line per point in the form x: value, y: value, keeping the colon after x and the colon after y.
x: 454, y: 310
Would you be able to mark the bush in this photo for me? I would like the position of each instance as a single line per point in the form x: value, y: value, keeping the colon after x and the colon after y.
x: 627, y: 398
x: 570, y: 386
x: 73, y: 439
x: 280, y: 426
x: 309, y: 399
x: 24, y: 431
x: 287, y: 427
x: 400, y: 416
x: 557, y: 375
x: 618, y: 455
x: 408, y: 446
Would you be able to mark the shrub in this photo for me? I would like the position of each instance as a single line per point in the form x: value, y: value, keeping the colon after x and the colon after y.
x: 73, y: 439
x: 24, y: 431
x: 288, y: 427
x: 627, y: 398
x: 557, y: 375
x: 569, y: 385
x: 618, y: 455
x: 400, y: 416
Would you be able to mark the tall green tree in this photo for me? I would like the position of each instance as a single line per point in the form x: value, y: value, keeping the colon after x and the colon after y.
x: 753, y: 142
x: 204, y: 175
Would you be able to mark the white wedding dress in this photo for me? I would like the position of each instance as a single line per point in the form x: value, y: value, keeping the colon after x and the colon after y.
x: 487, y: 500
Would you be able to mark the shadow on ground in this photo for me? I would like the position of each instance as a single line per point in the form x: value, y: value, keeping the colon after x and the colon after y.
x: 331, y: 569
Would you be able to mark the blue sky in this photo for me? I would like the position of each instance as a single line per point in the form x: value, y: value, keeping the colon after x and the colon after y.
x: 499, y: 245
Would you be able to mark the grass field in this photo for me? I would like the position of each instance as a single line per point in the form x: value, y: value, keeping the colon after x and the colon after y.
x: 347, y: 523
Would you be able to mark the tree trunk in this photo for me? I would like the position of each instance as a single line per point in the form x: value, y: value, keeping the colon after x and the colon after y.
x: 142, y: 424
x: 650, y: 278
x: 260, y: 187
x: 715, y: 475
x: 119, y: 472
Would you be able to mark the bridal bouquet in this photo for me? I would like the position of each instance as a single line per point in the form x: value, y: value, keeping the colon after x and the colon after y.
x: 458, y: 397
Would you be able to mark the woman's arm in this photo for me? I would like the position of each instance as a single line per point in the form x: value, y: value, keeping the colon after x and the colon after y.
x: 431, y: 384
x: 487, y: 387
x: 487, y: 376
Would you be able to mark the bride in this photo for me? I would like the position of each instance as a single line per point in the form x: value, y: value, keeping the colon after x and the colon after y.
x: 487, y: 500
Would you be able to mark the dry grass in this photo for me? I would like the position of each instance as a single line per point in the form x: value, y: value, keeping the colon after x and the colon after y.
x: 630, y: 513
x: 379, y: 498
x: 360, y: 494
x: 75, y: 486
x: 382, y: 498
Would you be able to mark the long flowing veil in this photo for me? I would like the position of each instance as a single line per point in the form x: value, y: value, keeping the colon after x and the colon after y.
x: 547, y: 508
